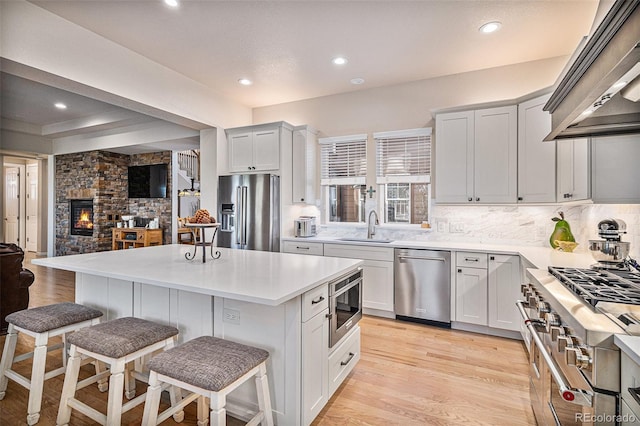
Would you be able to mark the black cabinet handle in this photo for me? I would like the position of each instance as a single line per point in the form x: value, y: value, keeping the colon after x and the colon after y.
x: 478, y: 199
x: 469, y: 199
x: 520, y: 198
x: 459, y: 271
x: 351, y: 355
x: 318, y: 300
x: 492, y: 258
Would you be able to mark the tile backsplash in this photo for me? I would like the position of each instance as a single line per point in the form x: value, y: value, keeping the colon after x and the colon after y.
x: 510, y: 225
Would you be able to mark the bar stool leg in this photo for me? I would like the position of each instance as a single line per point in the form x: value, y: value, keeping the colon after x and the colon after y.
x: 175, y: 395
x: 203, y: 411
x: 152, y: 403
x: 69, y: 386
x: 264, y: 399
x: 129, y: 381
x: 37, y: 378
x: 218, y: 413
x: 103, y: 384
x: 116, y: 386
x: 7, y: 358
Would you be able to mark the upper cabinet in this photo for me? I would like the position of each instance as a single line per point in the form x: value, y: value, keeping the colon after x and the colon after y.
x: 476, y: 156
x: 573, y: 169
x: 255, y: 148
x: 536, y: 159
x: 304, y: 165
x: 614, y: 169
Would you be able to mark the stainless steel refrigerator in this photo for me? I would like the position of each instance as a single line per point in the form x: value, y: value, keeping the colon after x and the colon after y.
x: 249, y: 212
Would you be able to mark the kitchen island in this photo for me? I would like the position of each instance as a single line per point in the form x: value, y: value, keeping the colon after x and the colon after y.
x: 251, y: 297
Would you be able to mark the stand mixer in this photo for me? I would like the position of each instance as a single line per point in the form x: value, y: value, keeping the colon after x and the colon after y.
x: 611, y: 252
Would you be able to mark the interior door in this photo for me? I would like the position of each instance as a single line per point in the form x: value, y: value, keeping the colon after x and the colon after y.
x: 32, y: 207
x: 12, y: 205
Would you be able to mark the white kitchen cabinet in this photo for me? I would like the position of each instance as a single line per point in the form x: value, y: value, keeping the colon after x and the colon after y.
x: 343, y: 359
x: 377, y: 287
x: 504, y: 290
x: 471, y: 295
x: 487, y: 288
x: 614, y: 169
x: 536, y: 159
x: 476, y: 156
x: 303, y: 247
x: 315, y: 371
x: 111, y: 296
x: 573, y: 169
x: 454, y: 157
x: 304, y: 165
x: 254, y: 148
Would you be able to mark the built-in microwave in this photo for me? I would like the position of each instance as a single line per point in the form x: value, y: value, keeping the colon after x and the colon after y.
x: 345, y: 305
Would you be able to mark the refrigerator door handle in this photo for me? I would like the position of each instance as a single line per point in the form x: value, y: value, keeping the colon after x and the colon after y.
x: 240, y: 221
x: 244, y: 215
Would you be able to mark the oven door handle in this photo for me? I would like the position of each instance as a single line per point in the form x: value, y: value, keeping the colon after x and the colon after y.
x: 574, y: 396
x: 346, y: 288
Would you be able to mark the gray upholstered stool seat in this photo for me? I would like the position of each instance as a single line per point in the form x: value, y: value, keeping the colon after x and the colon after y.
x: 119, y: 343
x: 121, y: 336
x: 208, y: 367
x: 41, y: 323
x: 45, y: 318
x: 208, y: 362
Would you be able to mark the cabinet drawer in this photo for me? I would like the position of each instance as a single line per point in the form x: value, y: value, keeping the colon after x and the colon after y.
x: 315, y: 301
x: 301, y: 247
x: 471, y: 259
x: 343, y: 359
x: 630, y: 379
x: 359, y: 252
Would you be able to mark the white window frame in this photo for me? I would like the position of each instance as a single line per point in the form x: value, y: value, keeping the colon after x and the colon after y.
x: 383, y: 180
x: 358, y: 178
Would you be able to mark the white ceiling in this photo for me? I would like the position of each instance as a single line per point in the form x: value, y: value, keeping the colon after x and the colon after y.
x: 286, y: 48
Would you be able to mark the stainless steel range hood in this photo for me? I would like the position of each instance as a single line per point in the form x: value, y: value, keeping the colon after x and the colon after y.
x: 598, y: 95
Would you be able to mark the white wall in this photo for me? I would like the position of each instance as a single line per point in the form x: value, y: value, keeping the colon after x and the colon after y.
x: 408, y: 106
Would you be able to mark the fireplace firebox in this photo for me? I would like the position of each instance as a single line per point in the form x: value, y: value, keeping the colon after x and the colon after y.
x: 81, y: 217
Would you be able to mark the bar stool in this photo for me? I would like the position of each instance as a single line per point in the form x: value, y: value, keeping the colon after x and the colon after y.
x: 41, y: 323
x: 118, y: 343
x: 208, y: 367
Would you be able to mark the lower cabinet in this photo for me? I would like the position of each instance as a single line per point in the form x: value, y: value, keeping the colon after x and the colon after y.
x: 343, y: 358
x: 315, y: 374
x: 487, y: 288
x: 377, y: 290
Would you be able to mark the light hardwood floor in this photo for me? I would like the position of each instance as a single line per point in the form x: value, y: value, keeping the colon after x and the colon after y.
x: 409, y: 374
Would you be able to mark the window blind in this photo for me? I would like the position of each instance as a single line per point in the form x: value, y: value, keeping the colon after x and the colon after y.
x: 403, y: 156
x: 343, y: 160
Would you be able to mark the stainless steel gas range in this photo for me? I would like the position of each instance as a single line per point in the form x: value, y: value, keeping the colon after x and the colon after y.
x: 571, y: 316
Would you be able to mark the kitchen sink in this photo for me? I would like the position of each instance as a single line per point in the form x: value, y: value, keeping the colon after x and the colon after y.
x: 364, y: 240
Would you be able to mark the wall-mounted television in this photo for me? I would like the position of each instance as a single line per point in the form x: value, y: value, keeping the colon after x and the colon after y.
x: 148, y: 181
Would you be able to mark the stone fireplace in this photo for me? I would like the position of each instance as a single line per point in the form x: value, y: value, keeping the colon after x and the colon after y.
x: 81, y: 217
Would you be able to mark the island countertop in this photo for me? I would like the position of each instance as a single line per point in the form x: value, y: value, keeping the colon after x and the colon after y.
x: 266, y: 278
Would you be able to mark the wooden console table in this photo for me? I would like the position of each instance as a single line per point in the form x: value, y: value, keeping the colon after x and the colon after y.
x: 125, y: 238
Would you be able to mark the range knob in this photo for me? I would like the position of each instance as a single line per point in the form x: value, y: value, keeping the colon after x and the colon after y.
x: 532, y: 300
x: 576, y: 357
x: 543, y: 308
x: 564, y: 342
x: 551, y: 320
x: 556, y: 333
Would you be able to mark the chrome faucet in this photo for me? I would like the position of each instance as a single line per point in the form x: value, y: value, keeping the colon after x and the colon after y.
x: 371, y: 229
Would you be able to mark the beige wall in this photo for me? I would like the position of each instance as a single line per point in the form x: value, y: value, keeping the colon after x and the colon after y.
x: 407, y: 106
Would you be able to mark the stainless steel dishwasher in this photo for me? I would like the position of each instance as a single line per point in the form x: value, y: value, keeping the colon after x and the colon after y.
x: 423, y: 286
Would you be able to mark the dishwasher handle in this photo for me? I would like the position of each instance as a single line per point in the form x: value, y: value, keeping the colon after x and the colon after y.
x: 439, y: 259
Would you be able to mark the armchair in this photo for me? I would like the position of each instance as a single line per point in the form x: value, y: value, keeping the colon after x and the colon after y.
x: 14, y: 282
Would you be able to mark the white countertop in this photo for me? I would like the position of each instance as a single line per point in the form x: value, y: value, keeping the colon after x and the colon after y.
x: 252, y: 276
x: 538, y: 257
x: 630, y: 345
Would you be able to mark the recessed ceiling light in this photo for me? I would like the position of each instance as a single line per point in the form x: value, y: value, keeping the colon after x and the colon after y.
x: 339, y: 60
x: 171, y: 3
x: 60, y: 105
x: 490, y: 27
x: 357, y: 80
x: 587, y: 112
x: 245, y: 82
x: 619, y: 85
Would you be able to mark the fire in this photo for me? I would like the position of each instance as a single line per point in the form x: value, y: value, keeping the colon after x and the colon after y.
x: 84, y: 220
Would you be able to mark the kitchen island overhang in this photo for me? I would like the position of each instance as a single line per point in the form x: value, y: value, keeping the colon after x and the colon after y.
x: 251, y: 297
